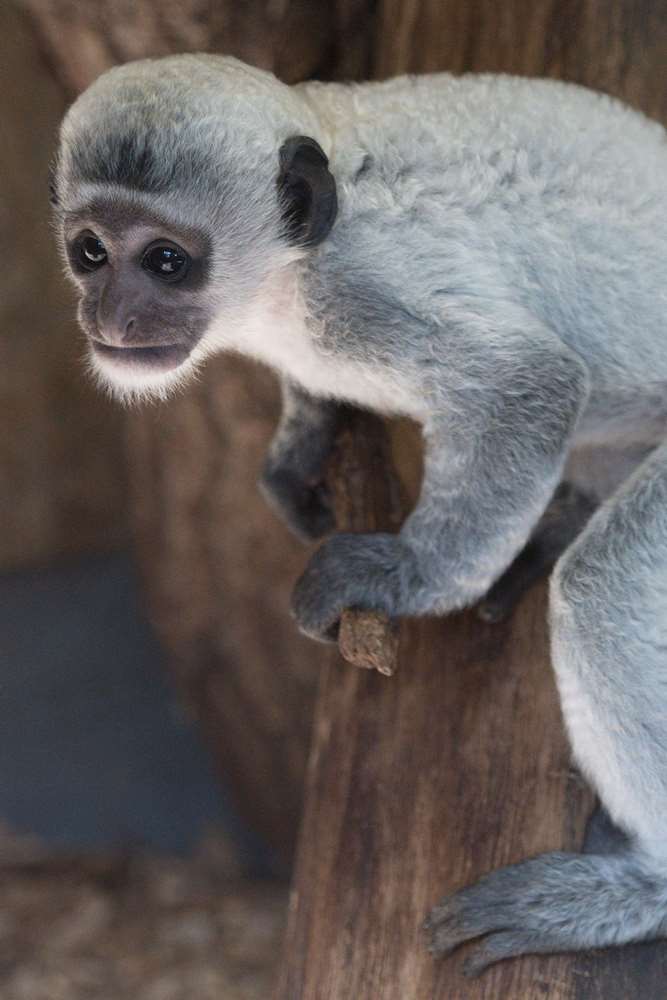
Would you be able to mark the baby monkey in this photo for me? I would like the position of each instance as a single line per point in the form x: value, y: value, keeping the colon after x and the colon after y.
x: 488, y: 256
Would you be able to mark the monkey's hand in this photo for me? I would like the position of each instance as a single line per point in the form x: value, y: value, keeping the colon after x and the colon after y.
x: 293, y: 476
x: 301, y: 500
x: 374, y: 572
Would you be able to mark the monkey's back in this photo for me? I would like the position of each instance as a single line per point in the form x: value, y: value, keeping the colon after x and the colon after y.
x: 495, y: 130
x: 493, y: 186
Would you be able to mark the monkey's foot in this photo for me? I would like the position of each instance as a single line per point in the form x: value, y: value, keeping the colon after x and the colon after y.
x: 555, y: 902
x: 502, y: 907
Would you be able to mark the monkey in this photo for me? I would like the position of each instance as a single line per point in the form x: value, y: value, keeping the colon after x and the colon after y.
x: 564, y: 518
x: 486, y: 255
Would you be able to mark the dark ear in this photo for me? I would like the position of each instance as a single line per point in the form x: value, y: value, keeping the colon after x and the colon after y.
x: 307, y: 190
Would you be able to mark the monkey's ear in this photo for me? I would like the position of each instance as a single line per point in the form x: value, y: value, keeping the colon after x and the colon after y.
x: 307, y: 190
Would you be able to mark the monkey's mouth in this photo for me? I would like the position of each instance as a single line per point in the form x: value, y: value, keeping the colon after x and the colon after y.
x: 158, y: 359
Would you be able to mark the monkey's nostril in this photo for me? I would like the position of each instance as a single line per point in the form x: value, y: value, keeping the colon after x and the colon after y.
x: 130, y: 325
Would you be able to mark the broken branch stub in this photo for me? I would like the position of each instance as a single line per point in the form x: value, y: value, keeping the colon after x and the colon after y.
x: 366, y: 496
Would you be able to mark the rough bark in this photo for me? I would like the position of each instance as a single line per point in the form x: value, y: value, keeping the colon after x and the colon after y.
x: 366, y: 496
x: 420, y: 783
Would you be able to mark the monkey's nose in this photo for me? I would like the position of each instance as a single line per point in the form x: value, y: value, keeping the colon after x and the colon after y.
x: 127, y: 330
x: 118, y: 334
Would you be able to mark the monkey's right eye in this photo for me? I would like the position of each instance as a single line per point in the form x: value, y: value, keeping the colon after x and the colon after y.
x: 90, y: 252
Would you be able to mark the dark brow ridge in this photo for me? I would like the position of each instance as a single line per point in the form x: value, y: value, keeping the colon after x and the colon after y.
x: 119, y: 216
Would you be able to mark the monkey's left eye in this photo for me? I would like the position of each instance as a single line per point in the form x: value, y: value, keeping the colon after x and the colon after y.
x: 166, y: 261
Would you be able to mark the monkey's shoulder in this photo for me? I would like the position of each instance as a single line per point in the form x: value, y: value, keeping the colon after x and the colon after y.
x: 437, y: 143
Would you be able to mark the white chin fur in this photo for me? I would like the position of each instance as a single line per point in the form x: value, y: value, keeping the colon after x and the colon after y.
x: 135, y: 385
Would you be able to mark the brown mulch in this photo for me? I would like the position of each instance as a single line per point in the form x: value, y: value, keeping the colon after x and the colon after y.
x: 135, y: 927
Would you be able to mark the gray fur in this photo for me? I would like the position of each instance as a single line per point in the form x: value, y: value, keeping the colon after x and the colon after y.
x: 498, y: 271
x: 555, y: 902
x: 560, y: 524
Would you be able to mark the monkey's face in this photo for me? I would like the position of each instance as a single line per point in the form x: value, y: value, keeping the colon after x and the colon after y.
x: 183, y: 186
x: 142, y: 284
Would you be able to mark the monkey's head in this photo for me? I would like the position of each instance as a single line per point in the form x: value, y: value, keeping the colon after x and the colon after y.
x: 182, y: 185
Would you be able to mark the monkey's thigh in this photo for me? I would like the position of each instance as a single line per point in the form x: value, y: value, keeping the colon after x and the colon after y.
x: 609, y: 648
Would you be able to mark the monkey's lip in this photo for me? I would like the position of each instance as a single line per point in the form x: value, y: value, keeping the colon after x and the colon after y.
x: 162, y: 357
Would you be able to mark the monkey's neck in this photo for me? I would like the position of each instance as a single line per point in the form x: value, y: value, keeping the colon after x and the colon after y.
x: 275, y: 327
x: 278, y: 330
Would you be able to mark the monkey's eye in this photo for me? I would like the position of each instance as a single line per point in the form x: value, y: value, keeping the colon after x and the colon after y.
x: 166, y: 261
x: 90, y: 252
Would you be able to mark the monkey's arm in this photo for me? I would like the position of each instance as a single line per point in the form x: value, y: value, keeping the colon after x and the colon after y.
x: 494, y: 454
x: 292, y: 477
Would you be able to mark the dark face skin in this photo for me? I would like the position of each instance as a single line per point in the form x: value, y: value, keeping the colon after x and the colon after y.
x: 142, y: 284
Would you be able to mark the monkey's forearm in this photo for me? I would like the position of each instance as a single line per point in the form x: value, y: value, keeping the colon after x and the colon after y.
x: 482, y: 495
x: 494, y: 459
x: 293, y: 475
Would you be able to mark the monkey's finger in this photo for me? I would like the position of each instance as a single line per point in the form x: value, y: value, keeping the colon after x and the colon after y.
x: 496, y: 947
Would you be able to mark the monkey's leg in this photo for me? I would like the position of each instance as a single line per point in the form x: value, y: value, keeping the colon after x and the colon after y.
x: 563, y: 520
x: 609, y: 633
x: 292, y: 479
